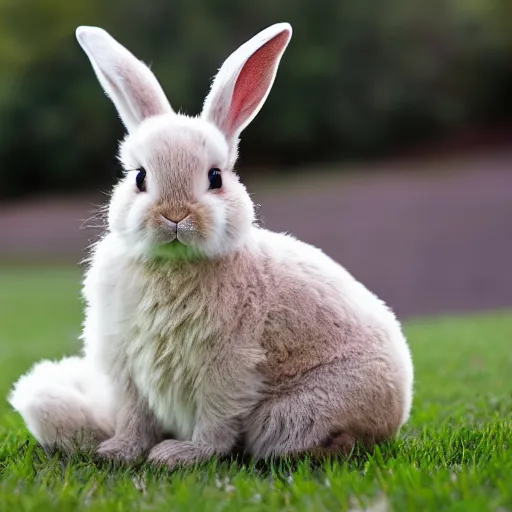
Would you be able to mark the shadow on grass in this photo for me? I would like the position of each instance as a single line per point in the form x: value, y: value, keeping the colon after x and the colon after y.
x: 34, y: 461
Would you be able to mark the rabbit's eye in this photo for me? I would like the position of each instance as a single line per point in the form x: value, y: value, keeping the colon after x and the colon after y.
x: 215, y: 178
x: 140, y: 180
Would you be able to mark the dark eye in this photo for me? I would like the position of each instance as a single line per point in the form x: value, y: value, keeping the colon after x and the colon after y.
x: 215, y: 178
x: 140, y: 180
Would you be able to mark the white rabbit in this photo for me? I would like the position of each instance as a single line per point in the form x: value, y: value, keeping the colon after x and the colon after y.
x: 203, y: 329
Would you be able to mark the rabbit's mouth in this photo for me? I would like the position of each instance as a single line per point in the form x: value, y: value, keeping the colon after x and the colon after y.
x: 176, y: 250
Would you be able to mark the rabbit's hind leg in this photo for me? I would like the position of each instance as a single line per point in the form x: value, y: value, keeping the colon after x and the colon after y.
x: 331, y: 409
x: 65, y: 404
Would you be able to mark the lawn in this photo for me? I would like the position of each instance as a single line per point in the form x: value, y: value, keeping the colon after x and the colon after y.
x: 454, y: 454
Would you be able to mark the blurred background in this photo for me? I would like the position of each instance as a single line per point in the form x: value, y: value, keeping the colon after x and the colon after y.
x: 386, y: 140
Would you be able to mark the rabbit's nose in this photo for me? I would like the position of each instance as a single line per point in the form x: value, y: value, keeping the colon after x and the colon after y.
x: 174, y: 220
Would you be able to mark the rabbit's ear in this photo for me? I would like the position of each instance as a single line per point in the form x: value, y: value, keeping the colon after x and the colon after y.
x: 244, y: 81
x: 128, y: 82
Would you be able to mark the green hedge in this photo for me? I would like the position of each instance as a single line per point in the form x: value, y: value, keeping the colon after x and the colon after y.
x: 360, y: 78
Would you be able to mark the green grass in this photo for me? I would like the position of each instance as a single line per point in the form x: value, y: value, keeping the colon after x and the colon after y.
x: 454, y: 454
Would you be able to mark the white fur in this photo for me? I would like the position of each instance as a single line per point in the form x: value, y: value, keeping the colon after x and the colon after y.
x: 55, y: 398
x: 124, y: 78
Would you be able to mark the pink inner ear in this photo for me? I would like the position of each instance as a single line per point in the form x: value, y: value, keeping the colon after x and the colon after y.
x: 254, y: 80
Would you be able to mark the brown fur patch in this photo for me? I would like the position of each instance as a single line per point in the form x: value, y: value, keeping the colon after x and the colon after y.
x: 202, y: 218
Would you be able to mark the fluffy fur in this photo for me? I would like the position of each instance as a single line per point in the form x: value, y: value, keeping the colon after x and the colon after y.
x: 201, y: 328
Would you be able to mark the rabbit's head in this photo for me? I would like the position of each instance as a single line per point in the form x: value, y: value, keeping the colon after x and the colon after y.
x: 179, y: 193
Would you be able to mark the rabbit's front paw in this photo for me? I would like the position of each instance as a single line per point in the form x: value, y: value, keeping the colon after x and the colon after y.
x: 120, y: 449
x: 172, y: 453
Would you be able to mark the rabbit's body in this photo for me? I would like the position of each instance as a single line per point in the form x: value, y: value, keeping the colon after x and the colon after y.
x: 233, y: 334
x: 206, y: 330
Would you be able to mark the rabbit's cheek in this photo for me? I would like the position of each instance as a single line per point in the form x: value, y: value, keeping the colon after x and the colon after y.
x: 137, y: 214
x: 205, y: 216
x: 119, y: 208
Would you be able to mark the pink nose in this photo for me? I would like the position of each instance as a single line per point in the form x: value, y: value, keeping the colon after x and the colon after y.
x: 170, y: 220
x: 175, y: 220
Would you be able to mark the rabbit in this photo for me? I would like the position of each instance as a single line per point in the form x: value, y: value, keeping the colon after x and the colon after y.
x: 203, y: 330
